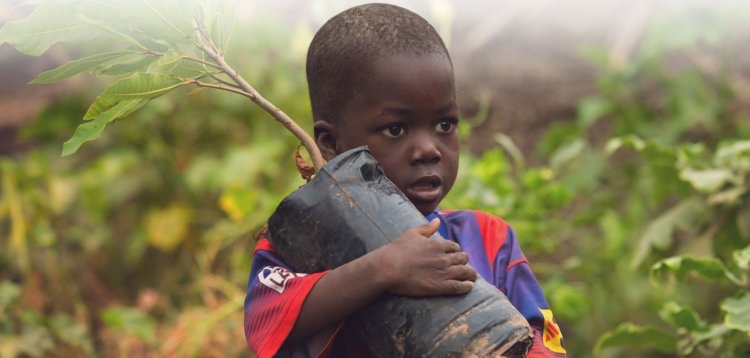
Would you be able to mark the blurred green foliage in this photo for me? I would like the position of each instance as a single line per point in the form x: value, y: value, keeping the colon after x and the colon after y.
x: 635, y: 215
x: 646, y: 190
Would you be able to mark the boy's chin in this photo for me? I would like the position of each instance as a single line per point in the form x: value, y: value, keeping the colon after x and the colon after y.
x: 425, y: 208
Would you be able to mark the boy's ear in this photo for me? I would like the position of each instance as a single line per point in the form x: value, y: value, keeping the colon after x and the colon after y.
x: 325, y: 138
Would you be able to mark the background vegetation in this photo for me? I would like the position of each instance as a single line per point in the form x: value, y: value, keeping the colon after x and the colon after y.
x: 635, y: 214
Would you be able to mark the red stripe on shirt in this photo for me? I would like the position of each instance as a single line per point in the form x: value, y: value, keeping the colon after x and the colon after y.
x: 514, y: 263
x: 263, y: 244
x: 493, y: 232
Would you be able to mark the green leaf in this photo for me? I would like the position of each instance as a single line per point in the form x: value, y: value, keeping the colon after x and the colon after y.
x: 142, y: 85
x: 130, y: 321
x: 659, y: 232
x: 680, y: 266
x: 50, y: 22
x: 738, y: 313
x: 73, y: 68
x: 92, y: 130
x: 706, y: 181
x: 629, y: 335
x: 682, y: 317
x: 168, y: 61
x: 130, y: 65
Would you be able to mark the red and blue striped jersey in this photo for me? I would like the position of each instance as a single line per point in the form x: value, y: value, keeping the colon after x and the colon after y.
x: 275, y: 294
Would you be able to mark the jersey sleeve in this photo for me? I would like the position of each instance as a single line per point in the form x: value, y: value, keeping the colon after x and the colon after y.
x: 275, y: 295
x: 516, y: 280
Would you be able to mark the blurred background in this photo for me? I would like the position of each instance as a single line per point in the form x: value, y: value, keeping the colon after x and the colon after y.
x: 611, y: 134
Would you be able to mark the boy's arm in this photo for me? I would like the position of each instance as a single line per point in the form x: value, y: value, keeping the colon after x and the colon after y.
x: 411, y: 265
x: 287, y: 308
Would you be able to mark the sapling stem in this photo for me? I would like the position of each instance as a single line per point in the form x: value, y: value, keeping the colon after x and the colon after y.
x: 244, y: 88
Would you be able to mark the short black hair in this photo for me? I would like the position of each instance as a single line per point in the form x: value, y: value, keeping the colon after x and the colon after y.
x: 346, y: 45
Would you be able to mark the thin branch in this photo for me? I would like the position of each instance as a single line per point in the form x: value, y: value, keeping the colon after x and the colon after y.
x: 203, y: 62
x: 223, y: 88
x: 247, y: 90
x: 222, y: 81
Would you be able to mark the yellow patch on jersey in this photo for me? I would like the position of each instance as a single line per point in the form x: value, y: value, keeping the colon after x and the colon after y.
x: 552, y: 336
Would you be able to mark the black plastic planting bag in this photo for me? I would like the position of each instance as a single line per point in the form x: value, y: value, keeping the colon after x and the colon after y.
x: 351, y: 208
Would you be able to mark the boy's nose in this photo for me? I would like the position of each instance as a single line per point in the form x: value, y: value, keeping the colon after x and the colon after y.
x: 425, y: 151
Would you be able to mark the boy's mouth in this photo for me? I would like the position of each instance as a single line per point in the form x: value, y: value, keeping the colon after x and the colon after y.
x: 427, y: 188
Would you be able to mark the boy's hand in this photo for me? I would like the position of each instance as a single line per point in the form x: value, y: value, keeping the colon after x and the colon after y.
x: 413, y: 265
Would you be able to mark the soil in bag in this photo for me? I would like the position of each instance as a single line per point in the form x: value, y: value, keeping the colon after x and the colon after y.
x: 351, y: 208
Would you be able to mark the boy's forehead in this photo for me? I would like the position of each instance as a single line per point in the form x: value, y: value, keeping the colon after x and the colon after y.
x: 407, y: 80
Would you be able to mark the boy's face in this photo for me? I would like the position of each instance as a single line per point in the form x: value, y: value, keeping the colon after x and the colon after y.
x: 405, y: 112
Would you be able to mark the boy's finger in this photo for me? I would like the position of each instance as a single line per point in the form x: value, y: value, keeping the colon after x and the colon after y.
x: 458, y: 287
x: 430, y: 228
x: 463, y: 273
x: 451, y: 247
x: 459, y: 258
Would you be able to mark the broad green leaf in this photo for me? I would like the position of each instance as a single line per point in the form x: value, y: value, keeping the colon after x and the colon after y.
x: 659, y: 232
x: 142, y: 85
x: 632, y: 336
x: 738, y: 313
x: 706, y: 181
x: 743, y: 220
x: 682, y: 317
x: 50, y: 22
x: 101, y: 105
x: 92, y: 130
x: 168, y: 61
x: 130, y: 321
x: 680, y: 266
x: 138, y: 63
x: 73, y: 68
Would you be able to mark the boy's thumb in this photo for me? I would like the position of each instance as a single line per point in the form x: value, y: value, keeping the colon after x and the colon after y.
x: 428, y: 229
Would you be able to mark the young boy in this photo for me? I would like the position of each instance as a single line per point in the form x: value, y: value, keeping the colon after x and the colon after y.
x: 380, y: 75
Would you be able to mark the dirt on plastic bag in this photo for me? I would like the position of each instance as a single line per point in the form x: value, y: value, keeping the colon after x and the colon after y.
x: 350, y: 208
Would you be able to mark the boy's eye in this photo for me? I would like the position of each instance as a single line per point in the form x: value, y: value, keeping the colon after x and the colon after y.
x: 446, y: 126
x: 394, y: 131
